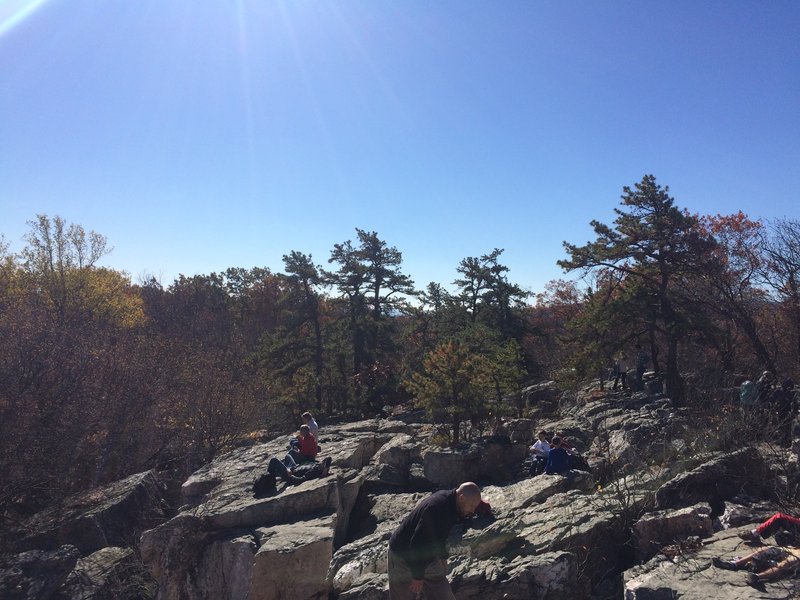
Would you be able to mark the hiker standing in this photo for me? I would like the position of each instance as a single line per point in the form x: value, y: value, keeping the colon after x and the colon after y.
x: 417, y: 550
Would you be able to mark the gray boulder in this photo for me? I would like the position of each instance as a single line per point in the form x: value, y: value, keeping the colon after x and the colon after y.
x: 36, y: 574
x: 716, y: 480
x: 110, y: 516
x: 108, y: 573
x: 292, y: 561
x: 661, y: 528
x: 542, y: 395
x: 353, y: 562
x: 520, y: 430
x: 534, y: 490
x: 547, y: 576
x: 744, y: 511
x: 372, y: 586
x: 489, y: 460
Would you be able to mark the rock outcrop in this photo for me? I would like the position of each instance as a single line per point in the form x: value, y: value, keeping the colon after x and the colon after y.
x: 36, y: 573
x: 688, y: 573
x: 716, y: 480
x: 111, y: 516
x: 644, y: 523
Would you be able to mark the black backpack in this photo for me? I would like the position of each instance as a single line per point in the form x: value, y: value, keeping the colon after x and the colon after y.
x: 263, y: 485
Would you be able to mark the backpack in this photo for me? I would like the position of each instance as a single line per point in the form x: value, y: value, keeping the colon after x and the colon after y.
x: 263, y: 485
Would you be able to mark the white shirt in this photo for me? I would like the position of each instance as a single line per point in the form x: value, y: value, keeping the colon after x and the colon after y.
x: 541, y: 448
x: 313, y: 428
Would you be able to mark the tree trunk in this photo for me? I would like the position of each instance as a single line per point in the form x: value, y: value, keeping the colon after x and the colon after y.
x: 674, y: 383
x: 456, y: 424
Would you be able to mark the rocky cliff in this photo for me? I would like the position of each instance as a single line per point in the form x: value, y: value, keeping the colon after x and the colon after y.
x: 642, y: 522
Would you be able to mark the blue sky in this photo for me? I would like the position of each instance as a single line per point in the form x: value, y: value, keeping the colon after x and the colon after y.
x: 198, y: 135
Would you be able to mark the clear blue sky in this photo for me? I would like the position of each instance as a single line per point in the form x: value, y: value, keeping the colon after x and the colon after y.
x: 198, y: 135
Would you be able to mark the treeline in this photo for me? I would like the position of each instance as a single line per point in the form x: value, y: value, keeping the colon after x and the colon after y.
x: 101, y: 377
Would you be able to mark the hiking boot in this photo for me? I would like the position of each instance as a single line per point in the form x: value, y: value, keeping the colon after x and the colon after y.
x: 723, y: 564
x: 753, y: 581
x: 750, y: 535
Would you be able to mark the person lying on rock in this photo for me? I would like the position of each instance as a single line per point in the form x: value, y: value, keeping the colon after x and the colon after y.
x: 306, y: 448
x: 558, y: 459
x: 294, y: 474
x: 770, y: 562
x: 417, y: 548
x: 786, y: 529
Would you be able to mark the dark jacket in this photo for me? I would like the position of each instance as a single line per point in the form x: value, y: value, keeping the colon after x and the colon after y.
x: 420, y: 538
x: 558, y: 461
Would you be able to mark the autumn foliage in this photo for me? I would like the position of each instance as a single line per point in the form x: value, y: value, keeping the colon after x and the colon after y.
x: 101, y: 377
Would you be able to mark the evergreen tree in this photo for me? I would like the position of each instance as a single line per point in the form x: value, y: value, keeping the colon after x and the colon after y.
x: 654, y: 242
x: 374, y: 288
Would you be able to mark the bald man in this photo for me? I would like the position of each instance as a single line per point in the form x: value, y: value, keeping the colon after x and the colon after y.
x: 417, y: 549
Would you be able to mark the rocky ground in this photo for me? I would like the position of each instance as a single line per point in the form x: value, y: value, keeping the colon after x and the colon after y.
x: 644, y: 524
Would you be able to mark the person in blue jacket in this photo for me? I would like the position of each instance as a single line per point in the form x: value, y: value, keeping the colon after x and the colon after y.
x: 558, y: 460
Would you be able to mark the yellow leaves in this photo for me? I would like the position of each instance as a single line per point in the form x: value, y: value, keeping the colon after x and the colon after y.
x: 109, y: 296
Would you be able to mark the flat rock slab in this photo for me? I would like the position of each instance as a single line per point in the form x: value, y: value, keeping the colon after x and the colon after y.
x: 533, y: 490
x: 350, y: 447
x: 691, y: 576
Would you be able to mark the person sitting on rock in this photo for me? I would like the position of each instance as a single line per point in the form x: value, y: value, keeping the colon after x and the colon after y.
x: 306, y: 450
x: 312, y: 427
x: 296, y: 474
x: 558, y: 459
x: 539, y: 452
x: 565, y: 442
x: 308, y: 419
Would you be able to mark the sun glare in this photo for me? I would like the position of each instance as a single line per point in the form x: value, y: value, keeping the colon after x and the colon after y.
x: 13, y: 12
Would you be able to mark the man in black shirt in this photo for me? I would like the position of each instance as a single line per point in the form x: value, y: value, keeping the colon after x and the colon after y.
x: 417, y: 549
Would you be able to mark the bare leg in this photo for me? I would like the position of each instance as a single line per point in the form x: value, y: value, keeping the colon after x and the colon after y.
x: 782, y: 567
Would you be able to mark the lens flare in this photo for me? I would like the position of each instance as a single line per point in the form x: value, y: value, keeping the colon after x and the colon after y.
x: 13, y: 12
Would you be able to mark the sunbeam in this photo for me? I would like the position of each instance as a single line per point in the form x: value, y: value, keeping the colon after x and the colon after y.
x: 14, y: 12
x: 247, y: 94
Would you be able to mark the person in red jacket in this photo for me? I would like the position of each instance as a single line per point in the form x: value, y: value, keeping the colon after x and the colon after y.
x: 307, y: 448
